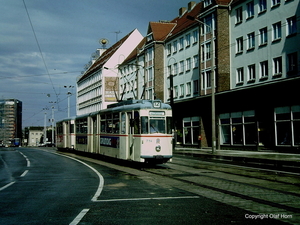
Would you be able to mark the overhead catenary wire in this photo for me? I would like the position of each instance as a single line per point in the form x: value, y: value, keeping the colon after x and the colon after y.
x: 40, y: 50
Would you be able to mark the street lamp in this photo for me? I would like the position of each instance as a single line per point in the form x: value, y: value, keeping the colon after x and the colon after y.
x: 212, y: 77
x: 69, y: 94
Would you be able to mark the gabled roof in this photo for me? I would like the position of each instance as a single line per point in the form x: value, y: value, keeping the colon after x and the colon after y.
x: 104, y: 57
x: 160, y: 30
x: 135, y: 51
x: 182, y: 23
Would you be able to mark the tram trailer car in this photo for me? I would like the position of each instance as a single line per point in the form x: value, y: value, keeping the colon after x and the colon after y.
x: 65, y: 130
x: 134, y: 130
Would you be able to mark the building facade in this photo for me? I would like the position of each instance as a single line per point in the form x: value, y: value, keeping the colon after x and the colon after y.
x: 10, y: 122
x: 99, y: 85
x: 264, y: 54
x: 233, y: 60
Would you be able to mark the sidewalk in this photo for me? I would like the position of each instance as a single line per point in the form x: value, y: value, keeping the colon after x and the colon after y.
x: 279, y: 160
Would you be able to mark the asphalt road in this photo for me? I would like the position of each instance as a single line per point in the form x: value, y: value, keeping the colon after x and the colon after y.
x: 40, y: 187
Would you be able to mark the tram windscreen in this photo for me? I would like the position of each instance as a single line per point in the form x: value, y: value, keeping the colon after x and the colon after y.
x: 154, y: 125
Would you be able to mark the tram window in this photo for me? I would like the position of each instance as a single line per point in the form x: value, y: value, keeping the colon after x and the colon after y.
x: 136, y: 123
x: 102, y: 125
x: 123, y: 123
x: 116, y: 123
x: 72, y: 128
x: 169, y: 125
x: 157, y: 126
x: 144, y: 124
x: 81, y: 126
x: 109, y: 126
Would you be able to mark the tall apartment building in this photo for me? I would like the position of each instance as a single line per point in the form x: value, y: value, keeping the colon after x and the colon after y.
x: 99, y: 85
x: 248, y: 50
x: 263, y: 110
x: 10, y: 122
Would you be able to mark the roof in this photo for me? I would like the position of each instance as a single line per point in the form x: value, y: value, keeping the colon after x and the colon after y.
x: 104, y: 57
x: 135, y: 51
x: 160, y: 30
x: 182, y: 23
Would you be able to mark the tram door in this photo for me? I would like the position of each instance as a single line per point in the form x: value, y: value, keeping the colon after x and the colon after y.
x: 130, y: 136
x: 94, y: 135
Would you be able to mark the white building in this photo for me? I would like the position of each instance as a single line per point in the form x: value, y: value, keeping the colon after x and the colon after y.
x: 182, y: 55
x: 263, y: 40
x: 99, y: 85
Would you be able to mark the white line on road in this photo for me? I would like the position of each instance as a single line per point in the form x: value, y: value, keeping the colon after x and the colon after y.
x: 79, y: 217
x: 28, y: 161
x: 6, y: 186
x: 24, y: 174
x: 142, y: 199
x: 101, y: 179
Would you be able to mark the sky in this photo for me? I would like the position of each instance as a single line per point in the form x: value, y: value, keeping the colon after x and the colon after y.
x: 44, y: 46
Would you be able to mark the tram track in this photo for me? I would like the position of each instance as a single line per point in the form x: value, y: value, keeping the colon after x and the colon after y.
x: 246, y: 188
x: 271, y: 194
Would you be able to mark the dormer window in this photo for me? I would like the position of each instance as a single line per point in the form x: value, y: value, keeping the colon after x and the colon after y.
x: 207, y: 2
x: 150, y: 37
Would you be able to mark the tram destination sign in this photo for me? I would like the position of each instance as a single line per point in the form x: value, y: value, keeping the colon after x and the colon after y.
x: 156, y: 113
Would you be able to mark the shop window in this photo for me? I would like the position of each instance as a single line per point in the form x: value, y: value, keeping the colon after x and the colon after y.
x: 190, y: 130
x: 238, y: 128
x: 287, y: 125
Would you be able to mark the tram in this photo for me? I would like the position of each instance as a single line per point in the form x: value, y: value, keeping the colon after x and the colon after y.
x: 134, y: 130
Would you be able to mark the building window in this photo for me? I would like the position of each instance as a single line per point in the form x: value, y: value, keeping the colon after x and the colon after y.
x: 188, y: 40
x: 195, y: 61
x: 251, y: 41
x: 239, y: 15
x: 250, y: 10
x: 207, y: 50
x: 175, y: 69
x: 169, y: 49
x: 170, y: 70
x: 195, y: 36
x: 291, y: 25
x: 262, y: 6
x: 181, y: 66
x: 277, y: 66
x: 264, y: 70
x: 292, y: 64
x: 191, y: 130
x: 275, y: 3
x: 196, y: 86
x: 239, y: 45
x: 251, y: 72
x: 240, y: 75
x: 207, y: 3
x: 207, y: 25
x: 188, y: 64
x: 276, y: 31
x: 181, y: 41
x: 206, y: 80
x: 188, y: 89
x: 174, y: 47
x: 287, y: 125
x: 175, y: 91
x: 238, y: 128
x: 181, y: 90
x: 263, y: 34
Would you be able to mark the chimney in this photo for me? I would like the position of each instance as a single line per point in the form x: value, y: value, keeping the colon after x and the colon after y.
x: 191, y: 5
x: 182, y: 10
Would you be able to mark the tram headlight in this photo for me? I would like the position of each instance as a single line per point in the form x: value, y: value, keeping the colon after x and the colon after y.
x: 158, y: 148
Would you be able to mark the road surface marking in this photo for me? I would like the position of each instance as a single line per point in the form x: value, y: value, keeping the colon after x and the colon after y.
x: 28, y: 161
x: 24, y: 174
x: 79, y: 217
x: 101, y: 179
x: 143, y: 199
x: 6, y: 186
